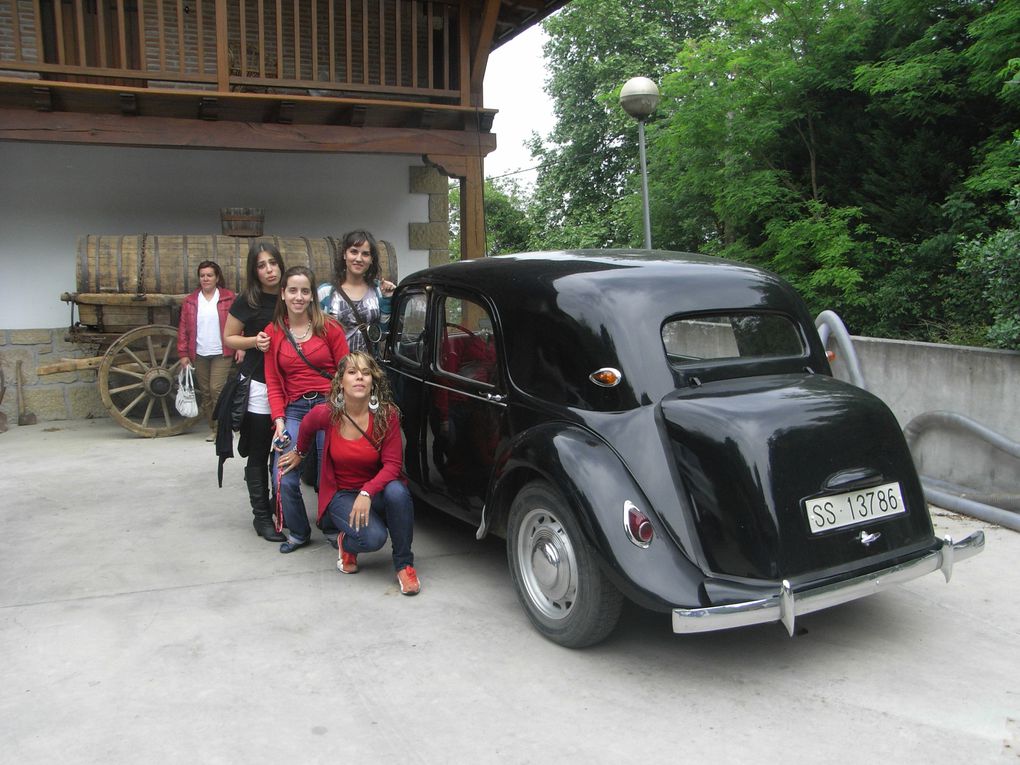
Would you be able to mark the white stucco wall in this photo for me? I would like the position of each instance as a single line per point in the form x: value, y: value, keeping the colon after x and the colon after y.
x: 50, y: 194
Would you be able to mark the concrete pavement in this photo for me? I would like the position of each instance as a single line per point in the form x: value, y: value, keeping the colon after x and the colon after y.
x: 141, y: 620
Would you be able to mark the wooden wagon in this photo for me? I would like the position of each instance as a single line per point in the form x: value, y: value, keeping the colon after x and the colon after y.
x: 129, y: 293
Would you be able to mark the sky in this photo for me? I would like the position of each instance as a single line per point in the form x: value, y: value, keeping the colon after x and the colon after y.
x: 514, y: 81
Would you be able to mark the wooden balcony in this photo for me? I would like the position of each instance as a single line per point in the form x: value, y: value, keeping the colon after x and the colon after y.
x: 376, y: 46
x: 402, y: 64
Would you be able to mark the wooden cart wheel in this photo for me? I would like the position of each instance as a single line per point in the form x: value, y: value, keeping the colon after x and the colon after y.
x: 138, y: 382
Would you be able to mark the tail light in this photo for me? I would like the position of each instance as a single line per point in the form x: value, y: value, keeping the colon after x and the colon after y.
x: 830, y: 355
x: 639, y: 528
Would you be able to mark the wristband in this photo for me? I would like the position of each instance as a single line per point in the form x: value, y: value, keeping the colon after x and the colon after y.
x: 364, y: 493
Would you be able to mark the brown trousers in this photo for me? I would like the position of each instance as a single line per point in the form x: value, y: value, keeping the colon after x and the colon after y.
x: 210, y: 375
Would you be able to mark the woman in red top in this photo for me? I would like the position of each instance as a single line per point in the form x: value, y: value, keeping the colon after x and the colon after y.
x: 305, y: 347
x: 360, y: 488
x: 200, y: 337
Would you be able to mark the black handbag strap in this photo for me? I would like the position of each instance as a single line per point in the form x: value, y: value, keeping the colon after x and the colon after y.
x: 304, y: 358
x: 368, y: 438
x: 362, y: 324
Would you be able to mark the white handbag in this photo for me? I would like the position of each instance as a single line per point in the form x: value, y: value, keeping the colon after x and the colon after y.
x: 186, y: 403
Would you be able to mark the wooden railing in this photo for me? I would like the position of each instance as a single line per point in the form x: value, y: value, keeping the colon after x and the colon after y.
x: 406, y: 47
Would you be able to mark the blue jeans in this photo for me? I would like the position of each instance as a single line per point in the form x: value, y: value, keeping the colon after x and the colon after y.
x: 295, y: 518
x: 392, y: 510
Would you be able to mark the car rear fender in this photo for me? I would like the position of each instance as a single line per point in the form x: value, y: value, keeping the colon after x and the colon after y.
x: 594, y: 483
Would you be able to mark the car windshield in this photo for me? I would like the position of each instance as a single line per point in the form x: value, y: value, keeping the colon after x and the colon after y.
x: 730, y: 336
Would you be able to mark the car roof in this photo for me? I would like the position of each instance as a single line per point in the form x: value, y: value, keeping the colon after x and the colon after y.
x: 678, y: 282
x: 584, y: 309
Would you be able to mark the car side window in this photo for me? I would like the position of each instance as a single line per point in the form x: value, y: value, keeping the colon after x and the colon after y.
x: 409, y: 329
x: 467, y: 348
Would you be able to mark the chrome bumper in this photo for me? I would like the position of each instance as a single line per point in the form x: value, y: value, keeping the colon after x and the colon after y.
x: 785, y: 605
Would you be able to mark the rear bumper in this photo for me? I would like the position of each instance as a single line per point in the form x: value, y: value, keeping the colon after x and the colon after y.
x: 785, y: 605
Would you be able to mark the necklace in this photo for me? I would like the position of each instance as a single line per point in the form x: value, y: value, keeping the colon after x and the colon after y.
x: 308, y: 331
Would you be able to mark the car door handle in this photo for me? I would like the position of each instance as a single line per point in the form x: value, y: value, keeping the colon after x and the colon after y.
x: 498, y: 398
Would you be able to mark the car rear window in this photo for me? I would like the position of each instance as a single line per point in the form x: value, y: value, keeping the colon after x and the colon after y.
x: 731, y: 336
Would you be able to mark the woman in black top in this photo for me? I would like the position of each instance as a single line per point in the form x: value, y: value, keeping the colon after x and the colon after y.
x: 251, y: 312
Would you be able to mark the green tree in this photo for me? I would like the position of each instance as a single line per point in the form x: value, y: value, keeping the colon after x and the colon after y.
x: 743, y: 151
x: 850, y: 145
x: 995, y: 260
x: 594, y: 47
x: 508, y: 226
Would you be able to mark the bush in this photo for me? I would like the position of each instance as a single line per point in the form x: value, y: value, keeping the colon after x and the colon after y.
x: 995, y: 259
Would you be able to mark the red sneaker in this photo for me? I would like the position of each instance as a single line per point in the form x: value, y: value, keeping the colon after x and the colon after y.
x: 346, y: 563
x: 408, y: 578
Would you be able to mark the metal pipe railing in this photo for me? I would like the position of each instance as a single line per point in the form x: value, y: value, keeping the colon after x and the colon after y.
x: 999, y: 509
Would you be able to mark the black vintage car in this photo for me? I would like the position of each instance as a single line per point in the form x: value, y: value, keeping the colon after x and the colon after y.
x: 658, y: 426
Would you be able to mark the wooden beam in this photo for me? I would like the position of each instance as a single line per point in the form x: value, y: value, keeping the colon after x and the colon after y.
x: 483, y: 46
x: 285, y: 112
x: 464, y: 54
x: 423, y: 119
x: 43, y: 98
x: 116, y: 130
x: 472, y: 211
x: 160, y: 300
x: 223, y: 49
x: 481, y: 121
x: 69, y: 365
x: 74, y: 90
x: 209, y: 108
x: 128, y: 104
x: 450, y: 166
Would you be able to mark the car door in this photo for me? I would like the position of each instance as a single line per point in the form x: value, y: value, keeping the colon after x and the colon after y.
x: 406, y: 363
x: 467, y: 402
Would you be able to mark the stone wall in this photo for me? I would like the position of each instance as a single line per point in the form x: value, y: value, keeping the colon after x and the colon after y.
x: 62, y: 396
x: 981, y: 383
x: 434, y: 235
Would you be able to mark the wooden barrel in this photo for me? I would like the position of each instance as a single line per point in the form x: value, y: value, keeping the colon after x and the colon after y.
x: 242, y: 221
x: 161, y: 264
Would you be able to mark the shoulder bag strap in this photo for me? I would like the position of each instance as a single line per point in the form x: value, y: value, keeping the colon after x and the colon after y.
x: 368, y: 438
x: 304, y: 358
x: 362, y: 324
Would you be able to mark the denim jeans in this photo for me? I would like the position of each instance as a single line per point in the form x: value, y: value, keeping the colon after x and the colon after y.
x: 295, y: 518
x: 392, y: 510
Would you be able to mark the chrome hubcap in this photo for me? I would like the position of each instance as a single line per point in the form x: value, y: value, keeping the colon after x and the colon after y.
x: 548, y: 566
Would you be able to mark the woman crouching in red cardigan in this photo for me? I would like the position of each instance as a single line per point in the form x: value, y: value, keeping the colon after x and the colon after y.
x: 360, y: 485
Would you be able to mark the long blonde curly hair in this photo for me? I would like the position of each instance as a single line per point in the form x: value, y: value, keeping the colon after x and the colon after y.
x: 380, y: 389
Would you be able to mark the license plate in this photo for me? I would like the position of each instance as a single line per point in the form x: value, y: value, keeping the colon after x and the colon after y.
x: 837, y: 510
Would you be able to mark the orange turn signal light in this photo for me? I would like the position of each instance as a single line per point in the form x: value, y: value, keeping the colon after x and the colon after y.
x: 607, y: 377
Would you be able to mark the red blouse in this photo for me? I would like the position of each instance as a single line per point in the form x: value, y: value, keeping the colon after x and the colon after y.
x: 288, y: 377
x: 370, y: 469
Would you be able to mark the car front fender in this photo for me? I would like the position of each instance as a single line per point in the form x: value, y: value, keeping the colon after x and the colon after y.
x: 595, y: 484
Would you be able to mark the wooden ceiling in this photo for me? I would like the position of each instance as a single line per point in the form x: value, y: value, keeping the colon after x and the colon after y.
x: 72, y: 106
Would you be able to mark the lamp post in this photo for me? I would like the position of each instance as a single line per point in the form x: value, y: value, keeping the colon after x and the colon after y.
x: 639, y: 97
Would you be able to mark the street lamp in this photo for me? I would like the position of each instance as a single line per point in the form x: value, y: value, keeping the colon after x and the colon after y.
x: 639, y: 98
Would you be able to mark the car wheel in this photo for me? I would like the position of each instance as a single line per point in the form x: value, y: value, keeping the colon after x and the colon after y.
x: 559, y: 583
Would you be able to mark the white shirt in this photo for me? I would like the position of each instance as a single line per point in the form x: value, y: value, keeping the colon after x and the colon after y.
x: 208, y: 340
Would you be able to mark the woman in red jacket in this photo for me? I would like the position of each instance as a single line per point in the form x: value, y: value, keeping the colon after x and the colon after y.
x: 305, y: 347
x: 360, y: 488
x: 200, y: 337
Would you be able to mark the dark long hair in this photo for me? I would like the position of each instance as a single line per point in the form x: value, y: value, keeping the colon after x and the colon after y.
x: 315, y: 314
x: 252, y: 286
x: 352, y: 238
x: 216, y: 269
x: 380, y: 387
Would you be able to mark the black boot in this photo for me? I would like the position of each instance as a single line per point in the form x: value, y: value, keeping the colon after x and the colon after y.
x: 257, y: 479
